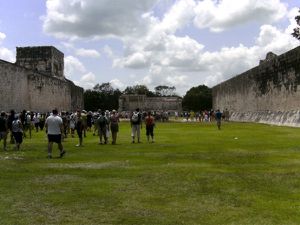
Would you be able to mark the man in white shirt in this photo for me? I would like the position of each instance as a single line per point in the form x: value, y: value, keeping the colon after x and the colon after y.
x: 54, y: 129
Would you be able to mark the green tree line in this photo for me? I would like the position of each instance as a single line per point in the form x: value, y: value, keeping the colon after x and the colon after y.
x: 104, y: 96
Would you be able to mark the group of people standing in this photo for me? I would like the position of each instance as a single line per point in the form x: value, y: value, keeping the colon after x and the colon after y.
x: 58, y: 126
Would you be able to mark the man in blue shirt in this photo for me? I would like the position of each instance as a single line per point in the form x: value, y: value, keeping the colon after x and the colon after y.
x: 218, y: 118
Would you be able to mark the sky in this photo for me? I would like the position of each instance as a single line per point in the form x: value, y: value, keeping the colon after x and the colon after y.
x: 181, y: 43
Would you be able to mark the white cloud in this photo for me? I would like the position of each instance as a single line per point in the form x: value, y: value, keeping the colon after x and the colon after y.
x: 2, y: 37
x: 87, y: 53
x: 221, y: 15
x: 153, y: 45
x: 87, y: 81
x: 73, y: 67
x: 7, y: 54
x: 90, y: 19
x: 180, y: 14
x: 116, y: 83
x: 108, y: 51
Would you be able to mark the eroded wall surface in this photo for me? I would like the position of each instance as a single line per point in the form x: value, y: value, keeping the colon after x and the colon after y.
x: 268, y: 93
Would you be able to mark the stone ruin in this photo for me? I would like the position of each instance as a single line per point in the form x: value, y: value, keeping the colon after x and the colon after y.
x: 36, y: 82
x: 268, y: 93
x: 131, y: 102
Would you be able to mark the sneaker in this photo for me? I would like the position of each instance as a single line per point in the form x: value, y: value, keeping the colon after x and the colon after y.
x: 78, y: 145
x: 62, y: 154
x: 49, y: 156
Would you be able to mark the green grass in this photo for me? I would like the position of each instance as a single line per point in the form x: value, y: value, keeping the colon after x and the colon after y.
x: 193, y: 174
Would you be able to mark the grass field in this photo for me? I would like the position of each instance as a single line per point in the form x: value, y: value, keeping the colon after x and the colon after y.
x: 193, y: 174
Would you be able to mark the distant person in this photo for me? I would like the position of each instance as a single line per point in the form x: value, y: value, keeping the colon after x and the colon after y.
x: 149, y: 121
x: 102, y: 124
x: 218, y: 117
x: 79, y: 127
x: 107, y: 116
x: 114, y: 126
x: 226, y: 114
x: 3, y: 129
x: 17, y: 131
x: 54, y: 130
x: 136, y: 125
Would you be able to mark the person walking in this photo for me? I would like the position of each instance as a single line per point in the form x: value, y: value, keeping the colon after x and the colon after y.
x: 149, y: 121
x: 3, y: 129
x: 102, y: 124
x: 79, y: 127
x: 136, y: 125
x: 17, y: 131
x: 54, y: 130
x: 114, y: 126
x: 218, y: 117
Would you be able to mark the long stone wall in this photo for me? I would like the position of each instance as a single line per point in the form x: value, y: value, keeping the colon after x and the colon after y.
x: 30, y: 89
x: 131, y: 102
x: 268, y: 93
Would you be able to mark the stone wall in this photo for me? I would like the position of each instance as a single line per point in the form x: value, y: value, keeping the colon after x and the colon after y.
x: 131, y: 102
x: 268, y: 93
x: 31, y: 89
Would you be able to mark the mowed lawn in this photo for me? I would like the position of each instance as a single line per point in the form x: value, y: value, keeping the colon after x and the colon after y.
x: 193, y: 174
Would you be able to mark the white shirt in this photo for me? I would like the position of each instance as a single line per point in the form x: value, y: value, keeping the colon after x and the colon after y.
x: 53, y: 124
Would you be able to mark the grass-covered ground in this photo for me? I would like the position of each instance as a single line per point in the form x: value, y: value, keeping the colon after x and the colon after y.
x: 192, y: 174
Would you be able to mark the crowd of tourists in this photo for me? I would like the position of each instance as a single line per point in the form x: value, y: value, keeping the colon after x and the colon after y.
x: 14, y: 127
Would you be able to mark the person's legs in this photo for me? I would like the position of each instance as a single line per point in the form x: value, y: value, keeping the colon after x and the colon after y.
x: 79, y: 133
x: 114, y: 137
x: 151, y: 133
x: 4, y: 141
x: 147, y: 133
x: 133, y: 131
x: 61, y: 149
x: 138, y: 133
x: 50, y: 144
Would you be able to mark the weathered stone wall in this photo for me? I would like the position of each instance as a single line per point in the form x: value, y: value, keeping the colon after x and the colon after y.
x: 43, y: 59
x: 13, y: 78
x: 24, y: 87
x: 268, y: 90
x: 131, y: 102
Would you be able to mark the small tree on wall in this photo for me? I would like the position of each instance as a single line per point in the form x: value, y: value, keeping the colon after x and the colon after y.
x: 296, y: 32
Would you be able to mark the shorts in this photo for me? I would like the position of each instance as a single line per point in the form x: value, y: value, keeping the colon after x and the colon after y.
x: 149, y: 130
x: 54, y: 138
x: 79, y: 133
x: 18, y: 137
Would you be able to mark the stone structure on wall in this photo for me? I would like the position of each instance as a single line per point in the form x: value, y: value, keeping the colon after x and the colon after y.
x: 268, y: 93
x: 36, y: 82
x: 131, y: 102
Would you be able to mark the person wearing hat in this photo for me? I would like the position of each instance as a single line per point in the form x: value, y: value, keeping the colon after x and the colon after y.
x: 136, y: 125
x: 114, y: 126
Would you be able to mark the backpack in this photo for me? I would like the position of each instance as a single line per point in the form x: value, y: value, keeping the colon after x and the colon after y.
x: 102, y: 121
x: 16, y: 126
x: 135, y: 117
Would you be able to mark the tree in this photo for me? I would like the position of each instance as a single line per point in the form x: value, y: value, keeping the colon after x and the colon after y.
x: 296, y: 32
x: 163, y: 90
x: 138, y: 90
x: 103, y: 96
x: 104, y: 88
x: 198, y: 98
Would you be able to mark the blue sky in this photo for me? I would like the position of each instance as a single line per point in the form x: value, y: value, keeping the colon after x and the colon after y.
x: 181, y: 43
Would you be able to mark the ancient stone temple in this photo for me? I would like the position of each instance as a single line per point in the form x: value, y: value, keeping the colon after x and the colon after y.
x: 268, y: 93
x: 36, y: 82
x: 131, y: 102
